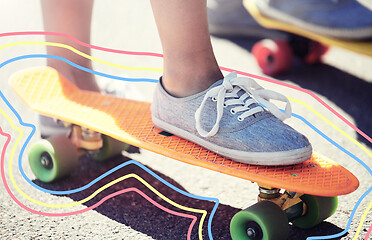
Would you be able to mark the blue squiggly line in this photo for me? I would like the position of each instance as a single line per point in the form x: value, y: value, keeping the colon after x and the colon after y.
x: 153, y: 174
x: 111, y: 171
x: 352, y: 156
x: 79, y: 67
x: 107, y: 173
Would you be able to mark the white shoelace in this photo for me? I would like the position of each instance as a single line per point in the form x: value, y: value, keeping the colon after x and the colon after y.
x: 226, y: 95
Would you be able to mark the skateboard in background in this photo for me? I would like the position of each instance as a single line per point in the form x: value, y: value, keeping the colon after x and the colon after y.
x: 275, y: 56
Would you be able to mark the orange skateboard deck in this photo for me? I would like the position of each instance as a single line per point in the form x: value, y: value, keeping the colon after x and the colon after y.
x: 47, y: 92
x: 361, y: 47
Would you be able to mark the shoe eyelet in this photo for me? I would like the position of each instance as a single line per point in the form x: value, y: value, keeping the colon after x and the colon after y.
x: 240, y: 119
x: 214, y: 99
x: 224, y: 105
x: 232, y: 111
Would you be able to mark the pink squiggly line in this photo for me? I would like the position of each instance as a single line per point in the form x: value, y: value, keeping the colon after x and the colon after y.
x: 368, y: 233
x: 91, y: 207
x: 304, y: 91
x: 222, y: 68
x: 83, y: 43
x: 4, y: 149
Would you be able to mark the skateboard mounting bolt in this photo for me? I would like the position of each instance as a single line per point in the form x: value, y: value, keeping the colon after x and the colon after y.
x: 251, y: 233
x: 89, y: 134
x: 46, y: 160
x: 270, y: 59
x: 254, y: 231
x: 266, y: 193
x: 269, y: 191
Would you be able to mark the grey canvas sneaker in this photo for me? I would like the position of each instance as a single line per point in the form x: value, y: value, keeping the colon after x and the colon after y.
x: 228, y: 119
x: 346, y: 19
x: 229, y: 18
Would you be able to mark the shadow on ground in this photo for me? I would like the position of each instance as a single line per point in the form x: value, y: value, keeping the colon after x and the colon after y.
x: 134, y: 211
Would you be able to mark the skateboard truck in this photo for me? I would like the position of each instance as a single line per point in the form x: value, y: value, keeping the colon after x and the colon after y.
x: 95, y: 144
x: 85, y: 139
x: 288, y: 201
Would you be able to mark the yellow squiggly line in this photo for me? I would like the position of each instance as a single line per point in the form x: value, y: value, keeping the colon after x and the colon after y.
x: 351, y: 139
x: 82, y: 54
x: 204, y: 212
x: 332, y: 125
x: 160, y: 70
x: 362, y: 221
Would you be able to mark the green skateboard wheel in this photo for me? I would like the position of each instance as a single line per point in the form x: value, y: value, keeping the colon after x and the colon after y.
x: 318, y: 209
x: 111, y: 147
x: 52, y: 158
x: 262, y: 221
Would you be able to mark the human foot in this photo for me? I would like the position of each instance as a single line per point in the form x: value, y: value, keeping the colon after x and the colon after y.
x: 227, y: 118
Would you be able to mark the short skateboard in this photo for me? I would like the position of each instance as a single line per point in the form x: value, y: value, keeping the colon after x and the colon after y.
x: 304, y: 194
x: 275, y: 56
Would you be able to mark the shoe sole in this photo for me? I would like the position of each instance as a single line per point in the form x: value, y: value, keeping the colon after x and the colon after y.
x: 255, y: 158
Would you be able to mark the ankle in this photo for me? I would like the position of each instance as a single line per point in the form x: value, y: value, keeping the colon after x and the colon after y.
x: 190, y: 73
x: 189, y: 83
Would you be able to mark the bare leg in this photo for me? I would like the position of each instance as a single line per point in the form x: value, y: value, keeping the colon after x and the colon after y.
x: 73, y: 18
x: 190, y: 67
x: 189, y: 63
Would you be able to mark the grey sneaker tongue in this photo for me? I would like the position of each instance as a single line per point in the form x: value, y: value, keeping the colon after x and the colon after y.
x: 240, y: 93
x: 229, y: 122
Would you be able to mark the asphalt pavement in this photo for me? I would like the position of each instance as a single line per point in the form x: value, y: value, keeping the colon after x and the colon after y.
x: 343, y: 81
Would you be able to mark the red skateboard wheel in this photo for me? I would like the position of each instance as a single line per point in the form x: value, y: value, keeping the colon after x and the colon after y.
x: 273, y: 56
